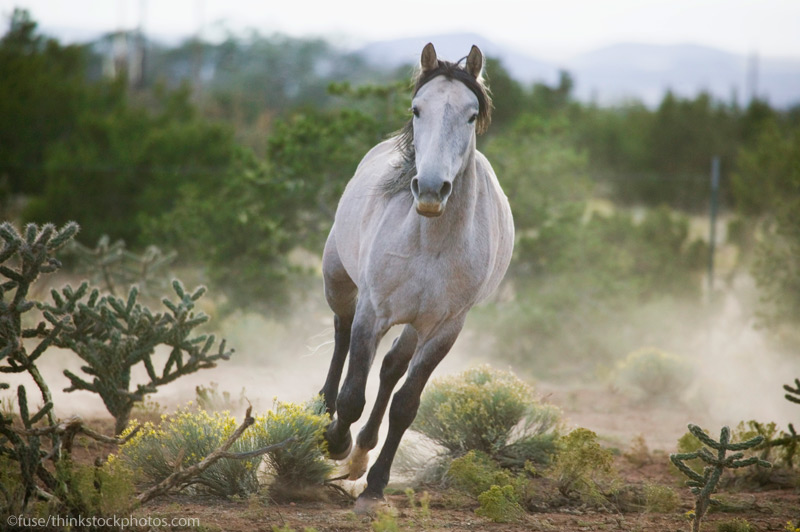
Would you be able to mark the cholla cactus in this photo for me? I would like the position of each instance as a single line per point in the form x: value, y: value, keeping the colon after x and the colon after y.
x: 794, y: 393
x: 23, y: 259
x: 112, y: 335
x: 702, y: 486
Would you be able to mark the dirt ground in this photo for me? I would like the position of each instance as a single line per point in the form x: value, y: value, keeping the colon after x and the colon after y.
x: 616, y: 420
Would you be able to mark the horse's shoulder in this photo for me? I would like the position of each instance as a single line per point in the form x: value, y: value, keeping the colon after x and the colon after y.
x: 381, y: 151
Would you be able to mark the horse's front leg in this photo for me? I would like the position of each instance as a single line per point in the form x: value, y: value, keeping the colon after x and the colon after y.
x: 404, y: 408
x: 364, y: 338
x: 330, y: 390
x: 393, y: 367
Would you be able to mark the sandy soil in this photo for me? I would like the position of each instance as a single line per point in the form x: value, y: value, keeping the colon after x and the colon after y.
x: 616, y: 419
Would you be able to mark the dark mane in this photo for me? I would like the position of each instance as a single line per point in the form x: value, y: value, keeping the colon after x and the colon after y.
x: 406, y: 169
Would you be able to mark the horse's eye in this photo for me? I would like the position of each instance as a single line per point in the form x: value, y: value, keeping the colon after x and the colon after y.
x: 415, y: 110
x: 473, y: 118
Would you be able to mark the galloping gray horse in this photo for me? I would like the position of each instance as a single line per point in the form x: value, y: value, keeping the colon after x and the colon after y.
x: 423, y: 231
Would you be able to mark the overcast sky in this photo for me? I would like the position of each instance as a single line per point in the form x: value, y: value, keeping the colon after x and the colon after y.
x: 541, y: 28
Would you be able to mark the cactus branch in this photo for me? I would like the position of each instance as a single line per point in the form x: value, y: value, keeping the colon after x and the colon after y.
x: 702, y: 487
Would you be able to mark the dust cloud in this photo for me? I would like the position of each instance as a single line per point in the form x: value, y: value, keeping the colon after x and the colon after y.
x: 737, y: 374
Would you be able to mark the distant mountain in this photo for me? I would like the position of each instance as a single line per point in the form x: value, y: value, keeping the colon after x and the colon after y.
x: 645, y: 72
x: 453, y: 47
x: 624, y: 71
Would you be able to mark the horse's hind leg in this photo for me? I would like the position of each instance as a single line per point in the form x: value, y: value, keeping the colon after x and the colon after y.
x: 394, y: 366
x: 340, y: 291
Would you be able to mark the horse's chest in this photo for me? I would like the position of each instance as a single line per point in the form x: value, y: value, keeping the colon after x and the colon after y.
x: 406, y: 284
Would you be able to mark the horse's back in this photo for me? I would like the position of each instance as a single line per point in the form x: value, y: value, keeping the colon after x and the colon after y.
x: 362, y: 203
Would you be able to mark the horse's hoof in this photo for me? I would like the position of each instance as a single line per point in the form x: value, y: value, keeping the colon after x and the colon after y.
x: 369, y: 505
x: 341, y: 449
x: 358, y: 463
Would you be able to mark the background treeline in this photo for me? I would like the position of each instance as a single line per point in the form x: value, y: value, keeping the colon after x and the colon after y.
x: 235, y: 154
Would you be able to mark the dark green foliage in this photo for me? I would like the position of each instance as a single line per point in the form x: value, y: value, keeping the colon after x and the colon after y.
x: 542, y: 173
x: 41, y: 94
x: 767, y: 190
x: 244, y: 226
x: 117, y: 170
x: 112, y: 335
x: 703, y: 486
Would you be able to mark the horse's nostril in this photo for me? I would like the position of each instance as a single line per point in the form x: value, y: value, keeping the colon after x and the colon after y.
x: 415, y: 187
x: 445, y: 190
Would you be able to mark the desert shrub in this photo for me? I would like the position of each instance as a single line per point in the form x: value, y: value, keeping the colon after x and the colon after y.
x: 302, y: 462
x: 582, y: 467
x: 638, y: 454
x: 386, y: 521
x: 211, y: 399
x: 183, y: 440
x: 187, y: 437
x: 778, y: 446
x: 500, y: 504
x: 660, y: 499
x: 735, y: 525
x: 487, y: 410
x: 105, y: 489
x: 12, y: 489
x: 652, y: 374
x: 476, y: 472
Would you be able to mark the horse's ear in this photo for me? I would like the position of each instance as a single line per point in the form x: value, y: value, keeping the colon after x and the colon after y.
x: 475, y: 62
x: 428, y: 61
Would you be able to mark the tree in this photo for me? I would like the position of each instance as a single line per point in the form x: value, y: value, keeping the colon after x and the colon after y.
x: 767, y: 188
x: 42, y: 92
x: 120, y: 169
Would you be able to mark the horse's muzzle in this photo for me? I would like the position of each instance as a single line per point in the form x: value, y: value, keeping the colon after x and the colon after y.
x: 430, y: 196
x: 430, y: 210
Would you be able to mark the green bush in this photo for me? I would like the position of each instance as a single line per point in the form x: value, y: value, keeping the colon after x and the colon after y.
x: 653, y: 375
x: 660, y: 499
x: 487, y: 410
x: 476, y: 472
x: 183, y: 440
x: 187, y: 437
x: 735, y: 525
x: 500, y: 505
x: 582, y: 467
x: 302, y: 463
x: 98, y: 490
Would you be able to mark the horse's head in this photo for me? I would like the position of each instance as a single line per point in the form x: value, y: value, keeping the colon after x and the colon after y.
x: 450, y: 105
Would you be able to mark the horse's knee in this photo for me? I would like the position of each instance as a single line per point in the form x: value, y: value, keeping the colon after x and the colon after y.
x: 350, y: 403
x: 404, y: 409
x: 393, y: 367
